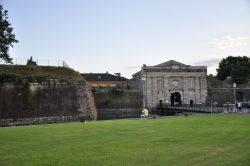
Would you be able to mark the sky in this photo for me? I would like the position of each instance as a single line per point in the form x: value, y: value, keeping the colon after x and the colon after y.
x: 119, y: 36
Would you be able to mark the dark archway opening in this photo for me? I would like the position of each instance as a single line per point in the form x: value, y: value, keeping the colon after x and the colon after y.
x: 176, y: 99
x: 160, y: 103
x: 191, y: 103
x: 239, y: 96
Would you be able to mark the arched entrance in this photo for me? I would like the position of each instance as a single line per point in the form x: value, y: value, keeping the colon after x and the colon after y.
x: 160, y: 103
x: 191, y: 103
x: 175, y: 99
x: 239, y: 96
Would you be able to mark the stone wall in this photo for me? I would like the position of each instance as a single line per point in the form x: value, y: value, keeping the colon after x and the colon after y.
x: 224, y: 95
x: 115, y: 99
x: 223, y: 92
x: 37, y: 121
x: 135, y: 83
x: 106, y: 114
x: 118, y: 104
x: 50, y: 99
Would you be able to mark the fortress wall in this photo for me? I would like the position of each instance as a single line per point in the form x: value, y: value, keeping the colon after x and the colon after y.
x: 31, y: 100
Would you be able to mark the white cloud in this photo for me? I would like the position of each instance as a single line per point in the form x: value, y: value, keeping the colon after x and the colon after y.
x: 212, y: 69
x: 210, y: 62
x: 229, y: 42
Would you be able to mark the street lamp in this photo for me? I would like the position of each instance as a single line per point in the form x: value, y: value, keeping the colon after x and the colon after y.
x: 234, y: 86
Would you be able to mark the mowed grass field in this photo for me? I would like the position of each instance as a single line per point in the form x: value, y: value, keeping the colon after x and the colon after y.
x: 205, y: 140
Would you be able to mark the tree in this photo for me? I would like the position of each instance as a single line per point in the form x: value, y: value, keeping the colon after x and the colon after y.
x: 238, y: 68
x: 31, y: 62
x: 241, y: 74
x: 7, y: 38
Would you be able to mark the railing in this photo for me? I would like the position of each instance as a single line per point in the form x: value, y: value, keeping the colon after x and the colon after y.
x: 194, y: 108
x: 40, y: 62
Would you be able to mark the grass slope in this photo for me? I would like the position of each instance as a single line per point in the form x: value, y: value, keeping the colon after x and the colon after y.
x: 209, y: 140
x: 13, y: 73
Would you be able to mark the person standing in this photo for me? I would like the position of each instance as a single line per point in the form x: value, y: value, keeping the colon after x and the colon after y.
x: 239, y: 106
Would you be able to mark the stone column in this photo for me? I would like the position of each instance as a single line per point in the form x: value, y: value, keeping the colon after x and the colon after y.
x: 154, y: 91
x: 149, y: 91
x: 166, y: 89
x: 197, y: 90
x: 185, y: 89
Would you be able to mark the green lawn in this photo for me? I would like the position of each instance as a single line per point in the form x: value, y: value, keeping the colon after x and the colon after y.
x: 207, y: 140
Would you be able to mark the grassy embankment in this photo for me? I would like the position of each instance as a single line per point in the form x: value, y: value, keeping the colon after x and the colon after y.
x: 208, y: 140
x: 15, y: 73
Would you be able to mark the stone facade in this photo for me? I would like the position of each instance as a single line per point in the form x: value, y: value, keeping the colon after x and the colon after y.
x: 174, y: 83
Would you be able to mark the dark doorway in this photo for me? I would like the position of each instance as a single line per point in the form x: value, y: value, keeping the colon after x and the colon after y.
x: 239, y: 96
x: 175, y: 99
x: 160, y: 103
x: 191, y: 103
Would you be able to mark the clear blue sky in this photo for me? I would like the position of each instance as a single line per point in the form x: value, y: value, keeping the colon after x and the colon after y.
x: 122, y: 35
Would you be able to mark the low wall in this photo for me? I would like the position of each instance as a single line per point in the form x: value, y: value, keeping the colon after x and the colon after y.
x: 37, y: 121
x: 122, y: 113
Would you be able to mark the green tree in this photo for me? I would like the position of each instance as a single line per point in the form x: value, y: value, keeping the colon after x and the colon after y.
x: 238, y: 68
x: 31, y: 62
x: 240, y: 74
x: 7, y: 38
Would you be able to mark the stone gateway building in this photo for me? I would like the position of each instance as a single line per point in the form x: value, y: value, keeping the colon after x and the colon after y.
x: 173, y: 83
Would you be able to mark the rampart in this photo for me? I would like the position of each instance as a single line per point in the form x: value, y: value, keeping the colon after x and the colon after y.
x: 47, y: 99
